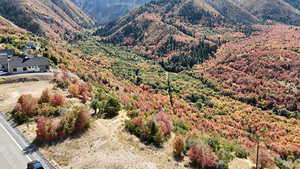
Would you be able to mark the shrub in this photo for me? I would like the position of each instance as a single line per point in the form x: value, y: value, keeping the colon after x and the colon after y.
x: 72, y: 122
x: 265, y: 159
x: 178, y: 146
x: 74, y: 90
x: 241, y: 153
x: 45, y: 98
x: 201, y: 155
x: 41, y: 129
x: 27, y: 104
x: 45, y: 109
x: 181, y: 127
x: 61, y: 80
x: 57, y: 100
x: 164, y: 123
x: 189, y: 142
x: 214, y: 143
x: 25, y: 108
x: 111, y: 107
x: 148, y: 130
x: 95, y: 105
x: 83, y: 120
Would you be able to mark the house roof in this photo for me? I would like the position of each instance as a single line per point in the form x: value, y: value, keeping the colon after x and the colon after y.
x: 7, y: 52
x: 3, y: 61
x: 20, y: 62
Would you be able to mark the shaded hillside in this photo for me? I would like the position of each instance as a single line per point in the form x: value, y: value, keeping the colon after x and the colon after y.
x: 8, y: 26
x: 53, y: 18
x: 108, y: 10
x: 184, y: 32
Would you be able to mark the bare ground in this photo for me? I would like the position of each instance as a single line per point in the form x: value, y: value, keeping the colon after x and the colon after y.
x: 107, y: 146
x: 9, y: 93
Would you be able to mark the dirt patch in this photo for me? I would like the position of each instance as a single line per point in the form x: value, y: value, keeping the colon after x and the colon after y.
x: 9, y: 93
x: 106, y: 145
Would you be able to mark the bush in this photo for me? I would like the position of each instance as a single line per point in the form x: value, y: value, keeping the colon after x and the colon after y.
x: 79, y: 90
x: 241, y: 153
x: 61, y: 80
x: 164, y: 123
x: 71, y: 123
x: 45, y: 109
x: 74, y: 90
x: 45, y: 98
x: 178, y: 146
x: 111, y: 107
x: 57, y: 100
x: 181, y: 127
x: 155, y: 130
x: 265, y: 159
x: 41, y: 129
x: 201, y: 155
x: 83, y: 120
x: 25, y: 108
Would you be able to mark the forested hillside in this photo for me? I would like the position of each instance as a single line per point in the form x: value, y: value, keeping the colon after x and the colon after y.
x: 52, y: 18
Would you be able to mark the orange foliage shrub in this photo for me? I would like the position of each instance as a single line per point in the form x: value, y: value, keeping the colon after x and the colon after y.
x: 83, y: 119
x: 45, y: 98
x: 74, y: 90
x: 178, y: 146
x: 25, y: 108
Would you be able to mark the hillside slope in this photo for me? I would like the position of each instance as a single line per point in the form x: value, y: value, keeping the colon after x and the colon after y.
x: 53, y: 18
x: 107, y: 10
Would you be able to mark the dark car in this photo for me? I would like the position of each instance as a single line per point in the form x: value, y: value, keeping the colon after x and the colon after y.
x: 35, y: 165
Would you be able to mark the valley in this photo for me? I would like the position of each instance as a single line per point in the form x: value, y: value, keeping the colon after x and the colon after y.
x: 172, y: 84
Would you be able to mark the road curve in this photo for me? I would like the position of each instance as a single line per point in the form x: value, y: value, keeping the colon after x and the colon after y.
x: 15, y: 152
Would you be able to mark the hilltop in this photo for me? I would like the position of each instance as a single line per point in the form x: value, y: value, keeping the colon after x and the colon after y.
x: 52, y: 18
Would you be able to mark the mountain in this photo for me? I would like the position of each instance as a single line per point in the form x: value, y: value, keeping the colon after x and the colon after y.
x: 183, y: 32
x: 107, y: 10
x: 187, y: 32
x: 53, y: 18
x: 284, y: 11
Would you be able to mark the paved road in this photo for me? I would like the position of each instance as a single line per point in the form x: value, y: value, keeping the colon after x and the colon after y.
x: 15, y: 152
x: 11, y: 154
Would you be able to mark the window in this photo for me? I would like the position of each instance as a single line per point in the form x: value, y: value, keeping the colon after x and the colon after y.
x: 24, y: 68
x: 14, y: 69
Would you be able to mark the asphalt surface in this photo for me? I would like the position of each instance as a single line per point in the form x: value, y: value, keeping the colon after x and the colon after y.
x: 11, y: 154
x: 15, y: 152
